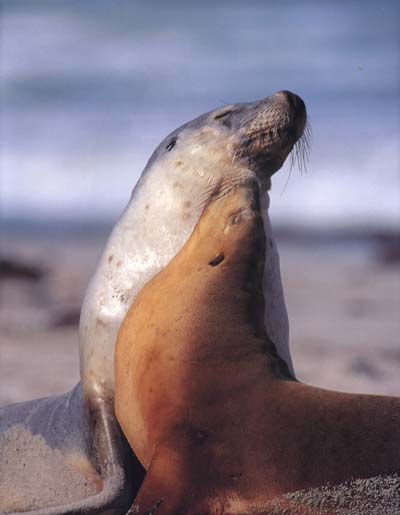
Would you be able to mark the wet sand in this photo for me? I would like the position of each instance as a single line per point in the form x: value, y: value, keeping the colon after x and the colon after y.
x: 343, y: 305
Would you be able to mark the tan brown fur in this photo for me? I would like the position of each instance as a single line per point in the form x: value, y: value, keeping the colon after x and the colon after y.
x: 206, y: 404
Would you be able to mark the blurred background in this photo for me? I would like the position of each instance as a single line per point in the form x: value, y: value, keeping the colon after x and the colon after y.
x: 87, y: 91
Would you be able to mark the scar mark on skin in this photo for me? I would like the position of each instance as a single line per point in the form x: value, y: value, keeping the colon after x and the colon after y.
x: 217, y: 260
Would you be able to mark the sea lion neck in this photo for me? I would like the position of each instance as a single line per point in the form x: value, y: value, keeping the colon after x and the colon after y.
x: 238, y: 235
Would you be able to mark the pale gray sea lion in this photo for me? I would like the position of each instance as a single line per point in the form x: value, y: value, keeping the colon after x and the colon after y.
x: 67, y: 454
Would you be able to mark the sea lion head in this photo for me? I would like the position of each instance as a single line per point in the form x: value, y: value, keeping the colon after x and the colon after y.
x: 228, y: 144
x: 267, y: 130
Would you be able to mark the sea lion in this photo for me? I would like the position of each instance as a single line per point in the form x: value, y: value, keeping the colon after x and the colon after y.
x: 214, y: 413
x: 67, y: 453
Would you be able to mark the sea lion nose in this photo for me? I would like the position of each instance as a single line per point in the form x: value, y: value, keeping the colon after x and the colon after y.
x: 292, y: 99
x: 298, y: 107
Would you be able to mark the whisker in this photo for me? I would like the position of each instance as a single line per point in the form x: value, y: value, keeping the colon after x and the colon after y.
x: 298, y: 156
x: 305, y: 146
x: 303, y: 155
x: 287, y: 180
x: 300, y: 153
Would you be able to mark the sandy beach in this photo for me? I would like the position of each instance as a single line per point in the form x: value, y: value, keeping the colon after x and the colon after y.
x: 343, y: 305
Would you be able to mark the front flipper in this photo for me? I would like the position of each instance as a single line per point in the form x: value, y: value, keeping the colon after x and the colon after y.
x: 60, y: 457
x: 161, y: 492
x: 169, y: 488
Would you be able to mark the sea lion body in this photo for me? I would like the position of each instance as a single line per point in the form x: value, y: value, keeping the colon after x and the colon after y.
x: 213, y: 412
x: 215, y: 151
x: 75, y: 436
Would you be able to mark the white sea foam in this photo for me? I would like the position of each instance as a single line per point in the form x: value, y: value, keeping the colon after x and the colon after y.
x: 88, y: 92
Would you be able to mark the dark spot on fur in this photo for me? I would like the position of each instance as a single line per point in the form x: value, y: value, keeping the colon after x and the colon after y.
x: 178, y: 162
x: 187, y: 203
x: 147, y: 206
x: 100, y: 322
x: 271, y: 243
x: 200, y: 436
x: 216, y: 261
x: 110, y: 258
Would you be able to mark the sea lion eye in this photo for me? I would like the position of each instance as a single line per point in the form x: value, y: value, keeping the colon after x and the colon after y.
x: 171, y: 144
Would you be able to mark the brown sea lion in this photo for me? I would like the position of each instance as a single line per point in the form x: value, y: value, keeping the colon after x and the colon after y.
x: 213, y: 412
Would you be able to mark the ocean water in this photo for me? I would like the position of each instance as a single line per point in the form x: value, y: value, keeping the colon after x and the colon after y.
x: 88, y: 89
